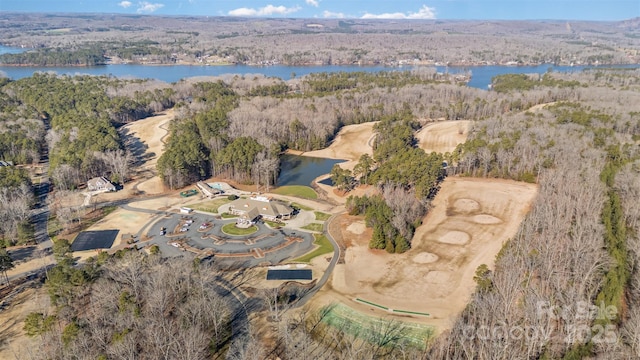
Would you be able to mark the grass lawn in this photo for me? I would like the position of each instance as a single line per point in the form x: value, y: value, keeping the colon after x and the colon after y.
x: 301, y: 207
x: 320, y: 216
x: 324, y: 247
x: 231, y: 229
x: 372, y: 328
x: 211, y: 205
x: 272, y: 224
x: 300, y: 191
x: 226, y: 215
x: 313, y: 227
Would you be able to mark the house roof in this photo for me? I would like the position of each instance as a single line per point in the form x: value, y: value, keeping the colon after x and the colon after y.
x: 251, y: 214
x: 264, y: 208
x: 100, y: 182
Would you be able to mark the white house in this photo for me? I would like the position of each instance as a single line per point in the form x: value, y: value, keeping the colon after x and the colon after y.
x: 100, y: 184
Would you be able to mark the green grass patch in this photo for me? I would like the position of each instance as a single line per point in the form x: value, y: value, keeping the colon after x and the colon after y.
x: 226, y: 215
x: 320, y: 216
x: 314, y: 227
x: 324, y: 247
x: 370, y: 328
x: 411, y: 312
x: 301, y: 207
x: 300, y: 191
x: 211, y: 205
x: 231, y: 229
x: 272, y: 224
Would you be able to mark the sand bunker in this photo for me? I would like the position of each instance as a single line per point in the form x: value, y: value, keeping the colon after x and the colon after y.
x: 486, y: 219
x: 425, y: 258
x: 436, y: 275
x: 357, y: 228
x: 455, y: 238
x: 466, y: 206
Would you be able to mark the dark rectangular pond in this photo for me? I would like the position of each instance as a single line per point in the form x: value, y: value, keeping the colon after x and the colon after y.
x: 301, y: 170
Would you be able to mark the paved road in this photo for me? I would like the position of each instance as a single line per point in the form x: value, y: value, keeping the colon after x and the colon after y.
x: 327, y: 273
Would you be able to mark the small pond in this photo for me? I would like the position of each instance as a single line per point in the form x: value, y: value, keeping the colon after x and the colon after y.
x: 301, y: 170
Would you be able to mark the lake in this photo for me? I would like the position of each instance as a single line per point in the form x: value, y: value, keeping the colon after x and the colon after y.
x: 480, y: 75
x: 301, y: 170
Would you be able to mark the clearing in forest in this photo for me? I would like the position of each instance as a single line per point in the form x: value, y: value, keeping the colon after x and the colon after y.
x: 351, y: 142
x: 468, y: 224
x: 443, y: 136
x: 148, y: 137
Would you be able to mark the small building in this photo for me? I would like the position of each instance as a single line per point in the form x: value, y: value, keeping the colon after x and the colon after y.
x: 100, y: 184
x: 6, y: 163
x: 207, y: 190
x: 263, y: 206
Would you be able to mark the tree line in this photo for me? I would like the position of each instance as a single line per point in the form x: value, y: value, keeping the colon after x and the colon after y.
x: 75, y: 120
x: 129, y: 305
x: 407, y: 177
x: 575, y: 247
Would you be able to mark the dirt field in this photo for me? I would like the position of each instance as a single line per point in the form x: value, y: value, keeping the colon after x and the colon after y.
x: 14, y: 344
x: 467, y: 226
x: 443, y: 136
x: 150, y: 133
x: 351, y: 142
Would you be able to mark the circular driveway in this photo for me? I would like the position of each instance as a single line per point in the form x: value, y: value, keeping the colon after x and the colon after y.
x: 267, y: 245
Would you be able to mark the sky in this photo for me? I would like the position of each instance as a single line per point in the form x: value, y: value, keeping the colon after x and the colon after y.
x: 382, y: 9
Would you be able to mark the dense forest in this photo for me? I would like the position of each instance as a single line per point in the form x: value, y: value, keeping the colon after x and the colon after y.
x: 224, y: 40
x: 406, y: 176
x: 56, y: 57
x: 578, y: 244
x: 140, y: 306
x: 75, y: 119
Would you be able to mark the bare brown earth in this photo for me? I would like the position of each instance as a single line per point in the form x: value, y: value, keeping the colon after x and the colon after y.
x: 14, y: 344
x: 351, y: 142
x: 443, y: 136
x: 151, y: 133
x: 470, y: 221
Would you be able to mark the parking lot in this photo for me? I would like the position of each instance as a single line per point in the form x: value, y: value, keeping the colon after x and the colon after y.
x: 184, y: 235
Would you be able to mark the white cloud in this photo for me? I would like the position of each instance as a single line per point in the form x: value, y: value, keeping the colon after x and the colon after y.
x: 147, y: 7
x: 264, y: 11
x: 425, y: 12
x: 125, y: 4
x: 312, y: 2
x: 329, y: 14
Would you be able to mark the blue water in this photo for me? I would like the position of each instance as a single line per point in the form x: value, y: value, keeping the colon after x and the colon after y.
x: 301, y: 170
x: 10, y: 50
x: 480, y: 75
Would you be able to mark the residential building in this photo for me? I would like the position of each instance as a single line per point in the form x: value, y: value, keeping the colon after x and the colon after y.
x: 100, y: 184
